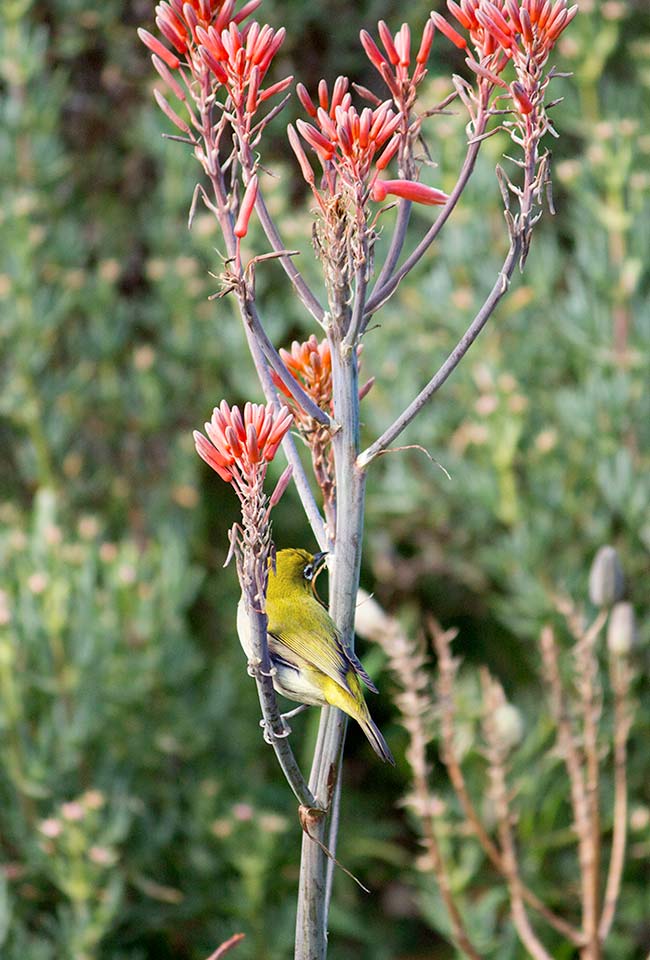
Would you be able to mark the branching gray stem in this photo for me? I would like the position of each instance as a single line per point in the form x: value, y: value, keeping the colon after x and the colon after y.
x: 299, y: 475
x: 311, y: 923
x: 452, y: 361
x: 268, y: 702
x: 382, y: 293
x: 252, y: 318
x: 396, y: 244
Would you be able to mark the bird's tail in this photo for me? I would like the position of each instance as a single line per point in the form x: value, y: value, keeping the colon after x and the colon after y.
x: 376, y: 738
x: 349, y: 698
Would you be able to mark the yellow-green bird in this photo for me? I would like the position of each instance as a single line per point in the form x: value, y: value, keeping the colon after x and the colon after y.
x: 312, y: 664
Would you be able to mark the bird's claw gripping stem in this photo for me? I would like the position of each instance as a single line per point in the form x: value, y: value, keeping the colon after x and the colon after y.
x: 270, y: 734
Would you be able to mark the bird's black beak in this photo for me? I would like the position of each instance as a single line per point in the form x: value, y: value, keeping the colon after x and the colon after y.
x: 319, y: 560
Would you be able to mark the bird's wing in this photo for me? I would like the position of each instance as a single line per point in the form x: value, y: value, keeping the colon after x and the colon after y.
x: 296, y: 644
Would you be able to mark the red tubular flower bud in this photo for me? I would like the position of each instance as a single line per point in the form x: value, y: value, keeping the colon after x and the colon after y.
x: 278, y: 87
x: 512, y: 6
x: 169, y: 78
x: 408, y: 190
x: 253, y: 90
x: 251, y: 444
x: 190, y: 17
x: 493, y: 26
x: 323, y: 95
x: 158, y: 48
x: 371, y: 49
x: 546, y: 12
x: 556, y: 25
x: 237, y: 423
x: 344, y: 138
x: 224, y: 18
x: 267, y: 423
x: 459, y: 14
x: 469, y: 9
x: 364, y: 126
x: 213, y: 64
x: 379, y: 117
x: 252, y: 36
x: 281, y: 485
x: 387, y: 41
x: 211, y: 456
x: 305, y: 99
x: 301, y: 157
x: 389, y: 152
x: 247, y: 207
x: 499, y: 24
x: 403, y: 45
x: 281, y: 424
x: 526, y: 27
x: 327, y: 125
x: 425, y: 45
x: 316, y: 139
x: 170, y: 113
x: 521, y: 98
x: 246, y: 10
x: 233, y: 442
x: 173, y: 30
x: 339, y: 92
x: 271, y: 49
x: 448, y: 31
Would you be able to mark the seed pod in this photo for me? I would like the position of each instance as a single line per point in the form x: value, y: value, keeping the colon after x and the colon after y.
x: 606, y: 582
x: 622, y: 633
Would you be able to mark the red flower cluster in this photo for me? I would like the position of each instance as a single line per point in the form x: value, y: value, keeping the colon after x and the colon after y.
x: 352, y: 147
x: 345, y: 140
x: 524, y: 31
x: 178, y: 21
x: 394, y: 66
x: 207, y: 34
x: 240, y: 59
x: 240, y: 448
x: 311, y: 365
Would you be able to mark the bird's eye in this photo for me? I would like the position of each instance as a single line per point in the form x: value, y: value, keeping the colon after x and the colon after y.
x: 308, y: 572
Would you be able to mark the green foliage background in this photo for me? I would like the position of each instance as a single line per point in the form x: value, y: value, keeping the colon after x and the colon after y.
x: 141, y: 815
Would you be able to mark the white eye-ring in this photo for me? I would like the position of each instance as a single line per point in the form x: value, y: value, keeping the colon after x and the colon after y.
x: 308, y: 572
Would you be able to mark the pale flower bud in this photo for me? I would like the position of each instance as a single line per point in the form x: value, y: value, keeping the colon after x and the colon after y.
x: 508, y: 726
x: 370, y: 621
x: 606, y: 581
x: 621, y: 630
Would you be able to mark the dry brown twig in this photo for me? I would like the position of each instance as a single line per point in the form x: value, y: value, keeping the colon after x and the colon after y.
x: 579, y: 745
x: 497, y: 757
x: 407, y: 659
x: 447, y: 669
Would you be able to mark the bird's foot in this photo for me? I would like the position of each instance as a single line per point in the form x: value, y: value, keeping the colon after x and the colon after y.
x: 295, y: 711
x: 270, y: 734
x: 254, y: 669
